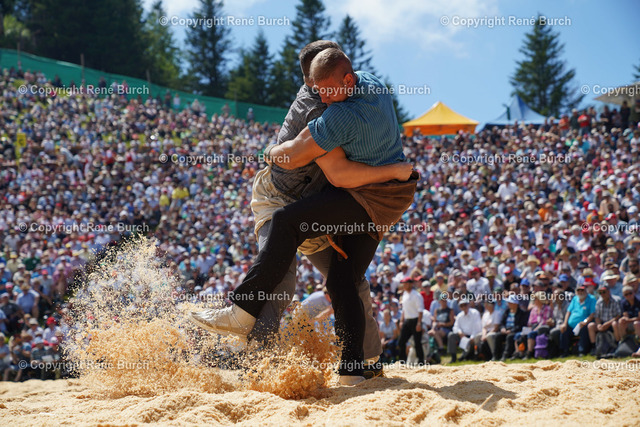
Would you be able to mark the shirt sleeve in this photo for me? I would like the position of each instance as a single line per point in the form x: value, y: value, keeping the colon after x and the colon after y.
x: 617, y: 311
x: 456, y: 325
x: 477, y: 324
x: 315, y: 112
x: 334, y: 128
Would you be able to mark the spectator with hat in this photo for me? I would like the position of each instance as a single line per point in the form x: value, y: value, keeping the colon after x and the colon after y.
x: 524, y: 295
x: 629, y: 322
x: 510, y: 277
x: 444, y: 318
x: 580, y: 313
x: 612, y: 282
x: 512, y: 322
x: 529, y: 271
x: 587, y: 276
x: 51, y: 330
x: 538, y: 323
x: 605, y: 324
x: 564, y: 283
x: 466, y: 332
x: 427, y: 294
x: 34, y: 327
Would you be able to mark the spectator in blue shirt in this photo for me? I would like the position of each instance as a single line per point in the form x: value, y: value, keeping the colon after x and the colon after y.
x: 580, y: 312
x: 630, y: 320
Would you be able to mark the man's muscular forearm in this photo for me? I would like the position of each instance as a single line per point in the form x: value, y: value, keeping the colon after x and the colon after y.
x: 345, y: 173
x: 340, y: 171
x: 296, y: 153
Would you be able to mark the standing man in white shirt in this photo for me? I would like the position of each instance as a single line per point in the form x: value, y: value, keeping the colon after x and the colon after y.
x: 411, y: 319
x: 467, y: 331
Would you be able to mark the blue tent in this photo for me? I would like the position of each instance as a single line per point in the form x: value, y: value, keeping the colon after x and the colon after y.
x: 517, y: 111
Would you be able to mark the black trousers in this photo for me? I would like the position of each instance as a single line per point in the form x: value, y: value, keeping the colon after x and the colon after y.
x: 409, y: 330
x: 332, y: 211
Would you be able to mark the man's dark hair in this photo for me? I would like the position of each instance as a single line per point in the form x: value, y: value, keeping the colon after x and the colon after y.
x: 311, y: 50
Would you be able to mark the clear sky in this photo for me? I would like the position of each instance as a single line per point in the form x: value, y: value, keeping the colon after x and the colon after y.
x: 428, y: 44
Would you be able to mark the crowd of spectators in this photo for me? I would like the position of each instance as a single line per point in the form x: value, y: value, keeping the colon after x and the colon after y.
x: 524, y: 214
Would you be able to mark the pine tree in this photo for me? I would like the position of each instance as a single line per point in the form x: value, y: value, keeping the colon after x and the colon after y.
x: 540, y: 79
x: 250, y: 80
x: 12, y: 24
x: 109, y: 33
x: 161, y: 51
x: 285, y: 80
x: 310, y: 24
x: 207, y: 51
x: 636, y: 73
x: 348, y: 38
x: 14, y: 32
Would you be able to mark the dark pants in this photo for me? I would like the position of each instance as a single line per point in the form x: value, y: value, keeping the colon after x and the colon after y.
x: 509, y: 345
x: 268, y: 323
x: 292, y: 225
x: 584, y: 344
x: 409, y: 330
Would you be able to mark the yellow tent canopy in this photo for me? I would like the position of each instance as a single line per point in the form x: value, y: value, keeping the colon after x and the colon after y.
x: 440, y: 120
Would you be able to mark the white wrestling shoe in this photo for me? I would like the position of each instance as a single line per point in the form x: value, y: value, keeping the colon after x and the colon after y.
x: 224, y: 321
x: 350, y: 379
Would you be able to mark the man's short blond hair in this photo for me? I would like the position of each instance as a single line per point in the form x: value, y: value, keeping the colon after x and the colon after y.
x: 330, y: 62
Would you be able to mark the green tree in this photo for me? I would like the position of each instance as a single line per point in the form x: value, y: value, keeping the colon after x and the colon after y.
x: 14, y: 31
x: 161, y: 51
x: 250, y: 80
x: 109, y: 33
x: 285, y: 80
x: 353, y: 45
x: 207, y: 51
x: 12, y: 17
x: 310, y: 24
x: 541, y: 79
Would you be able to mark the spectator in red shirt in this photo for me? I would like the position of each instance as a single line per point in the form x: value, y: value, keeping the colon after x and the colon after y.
x: 584, y: 120
x: 427, y: 294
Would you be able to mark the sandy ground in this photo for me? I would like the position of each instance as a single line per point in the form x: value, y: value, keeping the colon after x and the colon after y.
x: 545, y: 393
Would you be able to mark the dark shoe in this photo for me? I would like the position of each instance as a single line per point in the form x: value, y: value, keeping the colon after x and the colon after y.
x: 373, y: 370
x: 516, y: 355
x: 453, y: 358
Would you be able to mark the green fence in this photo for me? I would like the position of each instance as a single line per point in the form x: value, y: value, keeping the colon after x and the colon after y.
x: 71, y: 72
